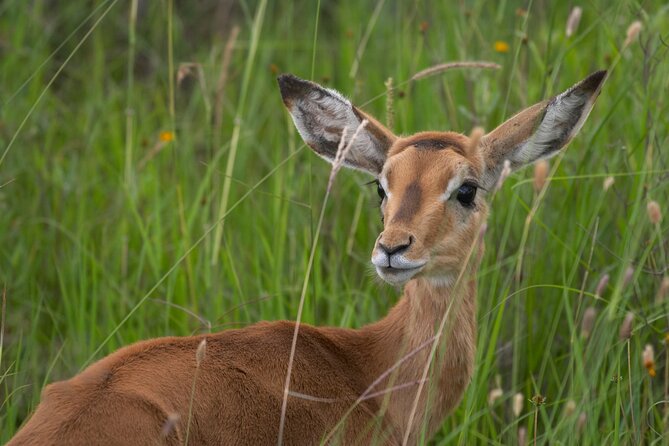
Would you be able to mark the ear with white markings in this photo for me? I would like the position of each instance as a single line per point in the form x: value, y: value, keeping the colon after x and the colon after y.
x: 321, y: 114
x: 541, y: 130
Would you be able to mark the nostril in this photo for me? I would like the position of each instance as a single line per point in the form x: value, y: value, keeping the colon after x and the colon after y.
x: 394, y: 249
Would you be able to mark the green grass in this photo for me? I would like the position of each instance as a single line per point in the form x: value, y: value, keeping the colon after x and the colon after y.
x: 109, y: 236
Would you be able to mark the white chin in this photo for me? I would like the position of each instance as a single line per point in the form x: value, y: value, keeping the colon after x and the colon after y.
x: 395, y: 276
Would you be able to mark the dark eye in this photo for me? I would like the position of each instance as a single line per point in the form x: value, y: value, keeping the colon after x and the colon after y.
x: 466, y: 194
x: 380, y: 191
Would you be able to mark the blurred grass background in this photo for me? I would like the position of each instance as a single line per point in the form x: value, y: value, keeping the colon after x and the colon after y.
x: 128, y: 129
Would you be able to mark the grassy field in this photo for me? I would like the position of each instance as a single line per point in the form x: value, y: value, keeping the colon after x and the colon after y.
x: 151, y: 184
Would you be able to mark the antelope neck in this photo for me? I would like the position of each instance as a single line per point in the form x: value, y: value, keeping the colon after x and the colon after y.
x: 405, y: 336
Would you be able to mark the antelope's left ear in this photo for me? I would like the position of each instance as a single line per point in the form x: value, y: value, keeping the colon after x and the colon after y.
x: 321, y: 115
x: 541, y: 130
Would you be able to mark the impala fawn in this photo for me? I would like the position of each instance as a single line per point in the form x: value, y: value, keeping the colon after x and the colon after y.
x: 386, y: 382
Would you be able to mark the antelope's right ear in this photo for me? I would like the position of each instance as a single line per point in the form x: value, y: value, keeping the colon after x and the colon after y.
x: 541, y: 130
x: 321, y: 114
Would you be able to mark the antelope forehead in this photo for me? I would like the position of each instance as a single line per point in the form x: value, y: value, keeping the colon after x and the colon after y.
x: 434, y: 176
x: 433, y: 141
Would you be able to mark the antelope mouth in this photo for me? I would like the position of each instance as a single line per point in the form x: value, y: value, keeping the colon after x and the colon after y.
x: 397, y: 276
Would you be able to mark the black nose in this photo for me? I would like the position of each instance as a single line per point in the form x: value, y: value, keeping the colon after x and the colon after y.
x: 394, y: 249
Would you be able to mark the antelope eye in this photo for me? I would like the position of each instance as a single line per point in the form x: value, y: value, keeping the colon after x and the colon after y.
x: 380, y: 191
x: 466, y: 194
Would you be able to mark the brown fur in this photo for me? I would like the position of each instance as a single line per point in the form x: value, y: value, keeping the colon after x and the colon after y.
x: 434, y: 140
x: 356, y: 385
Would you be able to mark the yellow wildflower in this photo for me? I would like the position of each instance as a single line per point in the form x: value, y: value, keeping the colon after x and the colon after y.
x: 166, y: 136
x: 501, y: 46
x: 649, y: 360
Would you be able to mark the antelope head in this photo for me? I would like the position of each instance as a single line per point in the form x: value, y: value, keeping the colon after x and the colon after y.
x: 433, y: 185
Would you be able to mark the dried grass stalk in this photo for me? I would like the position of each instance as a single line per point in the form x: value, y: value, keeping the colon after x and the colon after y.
x: 390, y: 103
x: 440, y: 68
x: 223, y: 77
x: 201, y: 352
x: 506, y: 171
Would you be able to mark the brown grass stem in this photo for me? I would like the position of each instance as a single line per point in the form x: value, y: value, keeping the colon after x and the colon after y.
x: 336, y: 165
x: 199, y: 357
x: 438, y: 335
x: 219, y: 95
x: 629, y: 380
x: 536, y: 424
x: 2, y: 322
x: 234, y: 141
x: 380, y: 378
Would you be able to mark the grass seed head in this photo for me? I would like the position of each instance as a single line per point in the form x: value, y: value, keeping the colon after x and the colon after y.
x: 602, y: 284
x: 185, y: 70
x: 629, y: 275
x: 663, y: 291
x: 440, y: 68
x: 573, y: 20
x: 522, y: 436
x: 608, y: 182
x: 580, y: 424
x: 588, y: 322
x: 518, y: 401
x: 569, y: 408
x: 538, y: 400
x: 654, y: 212
x: 540, y: 174
x: 494, y: 395
x: 626, y: 327
x: 632, y: 32
x: 648, y: 357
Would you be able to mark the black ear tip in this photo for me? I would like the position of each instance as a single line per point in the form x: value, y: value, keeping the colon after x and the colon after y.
x: 290, y: 85
x: 284, y: 78
x: 594, y: 81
